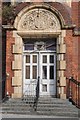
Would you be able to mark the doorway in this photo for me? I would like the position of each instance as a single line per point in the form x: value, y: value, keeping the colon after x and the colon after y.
x: 39, y: 59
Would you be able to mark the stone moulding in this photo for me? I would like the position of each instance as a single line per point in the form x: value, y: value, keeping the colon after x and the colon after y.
x: 38, y: 34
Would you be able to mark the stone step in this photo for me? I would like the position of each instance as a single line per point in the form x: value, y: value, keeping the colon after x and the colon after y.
x: 45, y: 106
x: 57, y: 106
x: 16, y: 108
x: 68, y: 114
x: 40, y: 110
x: 40, y: 107
x: 15, y: 103
x: 56, y: 109
x: 51, y: 100
x: 17, y: 112
x: 65, y: 106
x: 54, y: 101
x: 20, y: 102
x: 48, y: 113
x: 40, y: 104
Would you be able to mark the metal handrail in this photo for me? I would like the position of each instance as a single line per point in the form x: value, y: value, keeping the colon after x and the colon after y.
x: 29, y: 94
x: 37, y: 95
x: 74, y: 91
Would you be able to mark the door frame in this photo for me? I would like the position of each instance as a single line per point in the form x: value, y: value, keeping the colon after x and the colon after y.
x: 37, y: 53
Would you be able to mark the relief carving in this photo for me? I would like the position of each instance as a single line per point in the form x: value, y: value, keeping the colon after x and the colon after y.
x: 38, y: 19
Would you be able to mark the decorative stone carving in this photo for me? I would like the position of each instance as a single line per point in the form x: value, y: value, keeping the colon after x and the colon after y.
x: 38, y: 19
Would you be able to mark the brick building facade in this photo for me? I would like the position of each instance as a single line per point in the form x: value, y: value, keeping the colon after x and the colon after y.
x: 42, y: 41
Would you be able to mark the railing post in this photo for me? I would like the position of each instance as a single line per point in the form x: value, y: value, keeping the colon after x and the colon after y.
x: 37, y: 88
x: 76, y: 94
x: 79, y: 94
x: 70, y: 89
x: 37, y: 95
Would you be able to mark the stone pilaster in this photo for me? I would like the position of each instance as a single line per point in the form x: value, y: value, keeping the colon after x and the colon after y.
x: 17, y: 66
x: 61, y: 65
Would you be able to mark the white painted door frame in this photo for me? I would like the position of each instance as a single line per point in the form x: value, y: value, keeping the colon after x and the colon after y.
x: 29, y: 85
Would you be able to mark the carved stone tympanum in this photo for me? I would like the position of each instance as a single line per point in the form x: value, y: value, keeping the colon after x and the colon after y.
x: 38, y: 19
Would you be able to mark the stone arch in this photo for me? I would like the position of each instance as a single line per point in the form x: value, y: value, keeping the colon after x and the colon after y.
x: 46, y: 7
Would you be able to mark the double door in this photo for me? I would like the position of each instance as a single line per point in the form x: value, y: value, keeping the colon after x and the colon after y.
x: 42, y: 65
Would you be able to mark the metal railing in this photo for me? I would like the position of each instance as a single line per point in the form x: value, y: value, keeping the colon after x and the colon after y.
x: 31, y: 96
x: 37, y: 95
x: 74, y: 91
x: 3, y: 88
x: 30, y: 93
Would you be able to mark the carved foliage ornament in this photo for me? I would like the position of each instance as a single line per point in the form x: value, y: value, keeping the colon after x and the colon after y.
x: 38, y: 19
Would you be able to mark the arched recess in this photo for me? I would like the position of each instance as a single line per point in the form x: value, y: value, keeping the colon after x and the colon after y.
x: 46, y: 7
x: 38, y: 21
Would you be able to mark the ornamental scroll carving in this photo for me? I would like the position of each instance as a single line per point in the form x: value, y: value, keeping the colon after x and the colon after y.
x: 38, y: 19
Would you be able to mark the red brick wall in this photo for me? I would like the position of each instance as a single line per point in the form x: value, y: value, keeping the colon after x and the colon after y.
x: 79, y: 40
x: 73, y: 48
x: 9, y: 58
x: 79, y: 14
x: 69, y: 53
x: 75, y: 13
x: 76, y: 55
x: 73, y: 43
x: 79, y: 58
x: 75, y: 58
x: 72, y: 58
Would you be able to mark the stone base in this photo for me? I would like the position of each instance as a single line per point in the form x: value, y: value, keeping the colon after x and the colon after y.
x: 62, y: 96
x: 16, y: 95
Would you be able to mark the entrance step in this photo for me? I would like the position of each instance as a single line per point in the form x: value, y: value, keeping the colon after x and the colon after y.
x: 46, y: 106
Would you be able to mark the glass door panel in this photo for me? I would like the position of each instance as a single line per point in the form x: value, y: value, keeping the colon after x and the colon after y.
x: 34, y: 58
x: 34, y: 71
x: 51, y: 73
x: 44, y: 72
x: 27, y: 72
x: 27, y: 58
x: 44, y: 58
x: 51, y: 58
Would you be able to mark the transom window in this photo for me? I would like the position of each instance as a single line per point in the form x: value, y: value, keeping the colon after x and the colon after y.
x: 40, y: 44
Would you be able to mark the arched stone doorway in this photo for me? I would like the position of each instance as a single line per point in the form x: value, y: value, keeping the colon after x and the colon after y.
x: 39, y: 24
